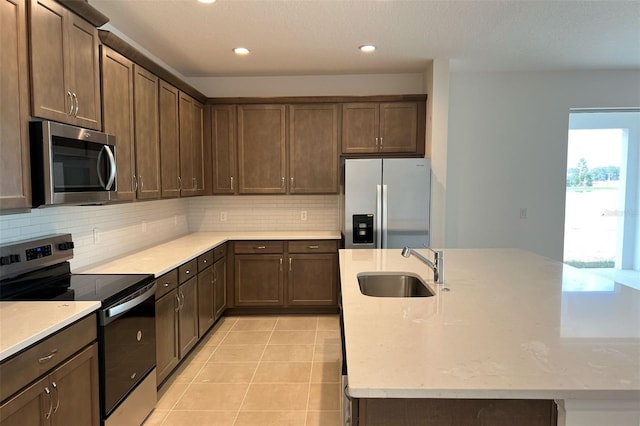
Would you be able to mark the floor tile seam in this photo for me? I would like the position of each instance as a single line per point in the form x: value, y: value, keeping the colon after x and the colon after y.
x: 313, y: 356
x: 244, y: 397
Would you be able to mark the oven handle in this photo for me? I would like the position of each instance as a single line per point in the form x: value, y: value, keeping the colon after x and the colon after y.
x: 129, y: 304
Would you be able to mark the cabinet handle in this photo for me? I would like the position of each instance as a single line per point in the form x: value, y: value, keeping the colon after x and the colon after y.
x: 282, y: 184
x: 187, y: 271
x: 195, y: 183
x: 48, y: 393
x: 376, y: 142
x: 134, y: 182
x: 232, y: 183
x: 75, y: 99
x: 204, y: 260
x: 182, y: 297
x: 70, y: 103
x: 141, y: 183
x: 48, y: 357
x: 261, y: 247
x: 291, y: 182
x: 290, y: 260
x: 179, y: 183
x: 55, y: 388
x: 380, y: 143
x: 178, y: 300
x: 281, y: 264
x: 313, y: 247
x: 165, y: 285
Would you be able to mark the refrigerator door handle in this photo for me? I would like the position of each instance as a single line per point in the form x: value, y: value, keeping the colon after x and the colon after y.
x: 384, y: 216
x: 378, y: 216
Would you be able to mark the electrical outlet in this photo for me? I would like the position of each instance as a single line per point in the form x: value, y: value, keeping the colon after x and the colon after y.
x: 523, y: 212
x: 96, y: 236
x: 303, y: 215
x: 223, y: 216
x: 144, y: 226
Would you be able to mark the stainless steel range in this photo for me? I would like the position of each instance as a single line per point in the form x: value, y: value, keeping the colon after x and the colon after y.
x: 39, y: 270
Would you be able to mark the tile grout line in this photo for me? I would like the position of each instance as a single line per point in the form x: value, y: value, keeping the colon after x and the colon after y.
x: 235, y: 419
x: 313, y: 357
x: 170, y: 410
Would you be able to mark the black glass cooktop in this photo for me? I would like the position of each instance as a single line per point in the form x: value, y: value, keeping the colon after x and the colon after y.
x: 58, y: 283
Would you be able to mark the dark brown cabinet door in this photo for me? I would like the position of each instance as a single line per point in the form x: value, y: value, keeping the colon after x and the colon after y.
x: 64, y: 66
x: 360, y: 125
x: 206, y: 309
x: 28, y: 407
x: 312, y: 279
x: 219, y: 286
x: 147, y: 134
x: 223, y: 142
x: 15, y: 181
x: 398, y: 127
x: 262, y: 149
x: 188, y: 315
x: 259, y: 280
x: 169, y: 140
x: 313, y: 149
x: 167, y: 355
x: 191, y: 146
x: 117, y: 110
x: 198, y: 148
x: 75, y: 390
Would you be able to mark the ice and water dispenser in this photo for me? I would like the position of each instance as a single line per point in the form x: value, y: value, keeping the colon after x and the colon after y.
x: 362, y: 229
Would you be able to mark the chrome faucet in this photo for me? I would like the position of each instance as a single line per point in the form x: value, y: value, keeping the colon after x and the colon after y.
x: 437, y: 266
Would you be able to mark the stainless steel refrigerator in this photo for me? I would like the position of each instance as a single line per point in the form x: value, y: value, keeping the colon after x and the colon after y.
x: 386, y: 202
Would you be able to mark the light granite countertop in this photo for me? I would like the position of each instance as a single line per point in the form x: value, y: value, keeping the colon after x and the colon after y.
x: 162, y: 258
x: 512, y: 325
x: 25, y: 323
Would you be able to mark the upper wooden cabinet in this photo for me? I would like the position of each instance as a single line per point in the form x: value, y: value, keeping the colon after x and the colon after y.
x: 262, y: 167
x: 15, y: 180
x: 391, y: 127
x: 169, y: 140
x: 313, y: 149
x: 223, y: 147
x: 191, y: 146
x: 147, y: 141
x: 65, y: 83
x: 117, y: 117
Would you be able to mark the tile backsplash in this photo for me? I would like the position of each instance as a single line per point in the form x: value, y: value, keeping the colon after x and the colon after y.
x: 104, y: 232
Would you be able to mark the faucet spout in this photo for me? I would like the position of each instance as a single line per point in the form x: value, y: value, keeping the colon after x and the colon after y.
x: 436, y: 266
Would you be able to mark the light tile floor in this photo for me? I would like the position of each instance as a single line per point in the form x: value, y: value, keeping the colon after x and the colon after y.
x: 250, y: 370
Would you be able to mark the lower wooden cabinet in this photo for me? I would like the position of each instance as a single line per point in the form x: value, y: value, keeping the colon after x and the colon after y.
x: 188, y: 316
x: 285, y: 274
x: 206, y: 309
x: 67, y: 395
x: 219, y: 286
x: 167, y: 354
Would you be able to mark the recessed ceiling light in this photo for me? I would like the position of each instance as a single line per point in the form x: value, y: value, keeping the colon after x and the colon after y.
x: 207, y: 1
x: 367, y: 48
x: 241, y: 51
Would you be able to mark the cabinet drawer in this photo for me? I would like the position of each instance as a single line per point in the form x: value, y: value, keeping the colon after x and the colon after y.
x: 219, y: 252
x: 187, y: 270
x: 41, y: 358
x: 166, y: 283
x: 259, y: 247
x: 205, y: 260
x: 313, y: 246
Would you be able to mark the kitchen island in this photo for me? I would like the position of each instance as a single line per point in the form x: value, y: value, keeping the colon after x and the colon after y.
x: 506, y: 324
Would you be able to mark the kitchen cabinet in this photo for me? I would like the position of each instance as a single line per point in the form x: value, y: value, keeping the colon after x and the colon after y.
x: 65, y: 83
x: 147, y: 140
x: 313, y: 149
x: 383, y: 128
x: 117, y: 117
x: 259, y: 275
x: 169, y: 140
x: 262, y: 149
x: 206, y: 293
x: 267, y: 275
x: 312, y: 277
x: 56, y: 386
x: 220, y: 281
x: 188, y: 312
x: 191, y: 146
x: 167, y: 307
x: 223, y: 143
x: 15, y: 178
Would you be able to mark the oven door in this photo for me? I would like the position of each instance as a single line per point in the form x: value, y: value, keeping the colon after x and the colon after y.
x: 128, y: 339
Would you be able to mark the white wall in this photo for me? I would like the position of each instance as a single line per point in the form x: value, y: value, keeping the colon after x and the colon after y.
x: 507, y: 149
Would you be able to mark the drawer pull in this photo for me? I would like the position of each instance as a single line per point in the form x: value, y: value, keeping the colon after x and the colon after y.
x: 261, y: 247
x: 48, y: 357
x: 313, y: 247
x: 165, y: 285
x: 187, y: 272
x: 178, y: 300
x: 290, y: 261
x: 48, y: 392
x: 204, y: 260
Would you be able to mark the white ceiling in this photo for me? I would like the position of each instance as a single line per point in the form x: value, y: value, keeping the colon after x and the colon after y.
x: 315, y: 37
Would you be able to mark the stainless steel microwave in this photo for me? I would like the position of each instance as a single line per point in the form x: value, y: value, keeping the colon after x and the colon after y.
x: 71, y: 165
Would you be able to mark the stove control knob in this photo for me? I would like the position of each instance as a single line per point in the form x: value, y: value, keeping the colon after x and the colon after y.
x: 66, y: 246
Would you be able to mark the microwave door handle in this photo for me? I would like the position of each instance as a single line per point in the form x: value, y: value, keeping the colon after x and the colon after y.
x: 112, y: 168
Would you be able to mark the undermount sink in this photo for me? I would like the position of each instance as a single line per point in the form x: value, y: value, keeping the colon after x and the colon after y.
x: 393, y: 285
